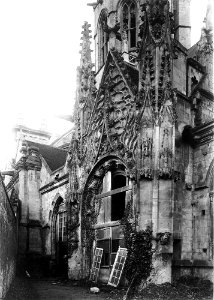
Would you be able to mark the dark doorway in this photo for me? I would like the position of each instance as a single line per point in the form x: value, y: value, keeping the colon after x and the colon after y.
x: 62, y: 262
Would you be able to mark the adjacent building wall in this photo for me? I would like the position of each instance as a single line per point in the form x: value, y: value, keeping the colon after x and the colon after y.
x: 8, y: 238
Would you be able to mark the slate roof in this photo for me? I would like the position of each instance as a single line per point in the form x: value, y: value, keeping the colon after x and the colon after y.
x: 54, y: 157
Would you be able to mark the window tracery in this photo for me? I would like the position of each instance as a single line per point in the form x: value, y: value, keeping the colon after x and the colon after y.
x: 128, y: 22
x: 61, y: 224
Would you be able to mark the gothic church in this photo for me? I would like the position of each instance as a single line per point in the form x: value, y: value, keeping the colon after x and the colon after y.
x: 143, y: 136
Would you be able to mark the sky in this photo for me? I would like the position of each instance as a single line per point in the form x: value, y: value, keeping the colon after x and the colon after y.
x: 39, y: 54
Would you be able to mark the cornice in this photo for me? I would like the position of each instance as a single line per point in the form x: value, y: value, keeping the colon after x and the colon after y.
x: 57, y: 182
x: 203, y: 134
x: 194, y: 63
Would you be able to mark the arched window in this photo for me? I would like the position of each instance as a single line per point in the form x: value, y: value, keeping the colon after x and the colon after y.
x: 128, y: 22
x: 61, y: 222
x: 112, y: 207
x: 102, y: 40
x: 59, y: 236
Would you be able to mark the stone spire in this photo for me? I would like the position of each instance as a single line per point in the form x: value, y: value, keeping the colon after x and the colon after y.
x: 86, y: 49
x: 86, y: 89
x: 86, y: 75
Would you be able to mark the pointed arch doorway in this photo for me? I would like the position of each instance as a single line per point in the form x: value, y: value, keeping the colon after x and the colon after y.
x: 59, y: 238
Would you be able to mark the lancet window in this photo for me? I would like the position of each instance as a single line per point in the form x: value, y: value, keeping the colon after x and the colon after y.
x: 102, y: 40
x: 128, y: 16
x: 61, y: 224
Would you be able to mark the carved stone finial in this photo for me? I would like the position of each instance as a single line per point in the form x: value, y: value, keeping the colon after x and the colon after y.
x: 86, y: 75
x: 85, y: 51
x: 86, y: 89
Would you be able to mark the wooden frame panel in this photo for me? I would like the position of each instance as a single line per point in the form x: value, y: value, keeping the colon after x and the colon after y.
x: 118, y: 266
x: 98, y: 253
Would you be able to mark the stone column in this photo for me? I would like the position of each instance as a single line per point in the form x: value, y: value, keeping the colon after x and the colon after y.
x: 33, y: 165
x: 30, y: 239
x: 23, y: 196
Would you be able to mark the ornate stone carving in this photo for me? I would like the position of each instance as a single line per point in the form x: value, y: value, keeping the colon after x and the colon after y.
x: 164, y: 238
x: 114, y: 29
x: 205, y: 45
x: 155, y: 83
x: 165, y: 155
x: 146, y: 169
x: 86, y: 90
x: 158, y: 18
x: 165, y: 171
x: 113, y: 116
x: 105, y: 147
x: 73, y: 155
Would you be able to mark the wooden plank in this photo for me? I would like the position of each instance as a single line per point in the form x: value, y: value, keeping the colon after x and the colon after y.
x: 113, y: 192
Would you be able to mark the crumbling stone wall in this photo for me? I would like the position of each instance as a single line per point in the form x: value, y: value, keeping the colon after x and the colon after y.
x: 8, y: 238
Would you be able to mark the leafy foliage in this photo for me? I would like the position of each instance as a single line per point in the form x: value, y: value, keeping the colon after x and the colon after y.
x: 139, y: 244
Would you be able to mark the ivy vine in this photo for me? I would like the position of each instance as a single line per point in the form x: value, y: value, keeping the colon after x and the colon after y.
x: 139, y: 245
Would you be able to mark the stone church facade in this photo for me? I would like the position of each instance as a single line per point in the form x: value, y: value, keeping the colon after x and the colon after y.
x: 143, y: 136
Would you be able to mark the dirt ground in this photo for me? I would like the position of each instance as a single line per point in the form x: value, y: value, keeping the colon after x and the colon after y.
x: 34, y: 289
x: 24, y: 288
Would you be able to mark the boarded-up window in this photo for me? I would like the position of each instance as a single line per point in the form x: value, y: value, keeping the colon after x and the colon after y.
x: 118, y: 266
x: 96, y: 264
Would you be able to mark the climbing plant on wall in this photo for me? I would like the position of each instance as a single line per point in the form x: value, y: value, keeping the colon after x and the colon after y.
x: 139, y: 244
